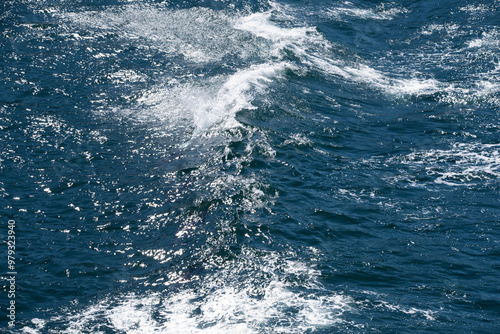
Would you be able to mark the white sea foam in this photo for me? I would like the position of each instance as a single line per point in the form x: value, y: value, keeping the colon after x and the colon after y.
x: 450, y: 29
x: 298, y: 139
x: 427, y: 314
x: 250, y: 295
x: 365, y: 74
x: 479, y: 87
x: 203, y: 105
x: 488, y: 40
x: 198, y: 102
x: 126, y: 76
x: 260, y: 25
x: 195, y: 101
x: 198, y: 34
x: 253, y: 294
x: 316, y: 52
x: 484, y: 88
x: 477, y: 9
x: 461, y: 165
x: 379, y: 13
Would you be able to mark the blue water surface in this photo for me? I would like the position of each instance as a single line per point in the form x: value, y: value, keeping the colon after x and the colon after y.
x: 253, y: 166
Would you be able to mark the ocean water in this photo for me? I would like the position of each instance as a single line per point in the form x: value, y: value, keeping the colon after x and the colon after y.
x: 261, y: 166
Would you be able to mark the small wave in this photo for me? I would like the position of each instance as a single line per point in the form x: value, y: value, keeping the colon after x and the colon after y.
x: 204, y: 103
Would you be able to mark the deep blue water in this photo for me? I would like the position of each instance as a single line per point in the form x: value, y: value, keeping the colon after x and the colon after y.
x: 251, y: 166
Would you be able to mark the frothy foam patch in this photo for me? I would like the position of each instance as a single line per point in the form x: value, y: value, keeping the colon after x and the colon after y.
x: 378, y: 79
x: 477, y: 83
x: 300, y: 40
x: 477, y: 9
x: 379, y: 13
x: 254, y: 294
x: 198, y: 34
x: 488, y: 40
x: 462, y: 165
x: 260, y: 25
x: 484, y: 89
x: 450, y: 29
x: 427, y: 314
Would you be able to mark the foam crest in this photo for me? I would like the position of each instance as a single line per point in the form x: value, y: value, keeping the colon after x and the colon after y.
x: 235, y: 94
x: 378, y: 79
x: 202, y: 35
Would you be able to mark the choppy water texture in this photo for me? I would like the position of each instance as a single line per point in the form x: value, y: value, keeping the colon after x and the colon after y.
x: 251, y: 166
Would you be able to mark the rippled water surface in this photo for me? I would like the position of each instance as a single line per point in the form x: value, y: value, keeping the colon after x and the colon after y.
x: 251, y: 166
